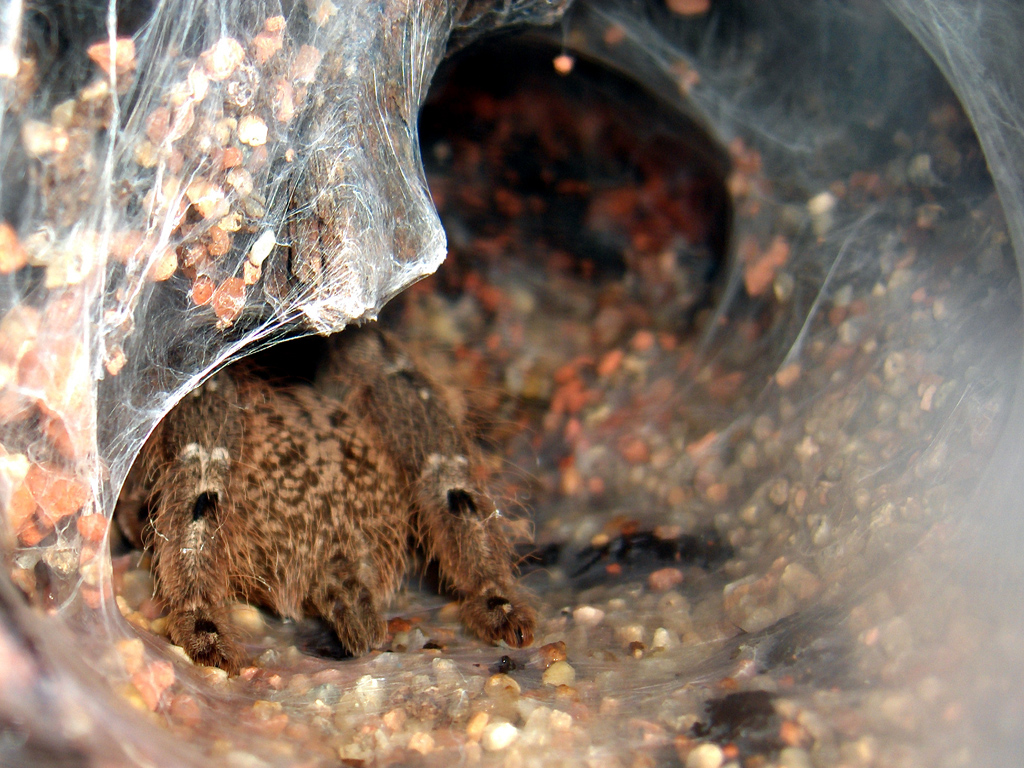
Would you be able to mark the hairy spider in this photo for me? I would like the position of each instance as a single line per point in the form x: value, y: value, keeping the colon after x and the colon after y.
x: 309, y: 502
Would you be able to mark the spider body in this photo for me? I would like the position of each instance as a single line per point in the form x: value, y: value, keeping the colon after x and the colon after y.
x: 309, y: 501
x: 276, y: 497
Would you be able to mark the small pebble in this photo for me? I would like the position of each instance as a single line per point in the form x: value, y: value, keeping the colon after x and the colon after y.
x: 223, y: 58
x: 421, y: 742
x: 152, y: 680
x: 588, y: 616
x: 186, y: 710
x: 305, y: 64
x: 559, y: 673
x: 258, y: 254
x: 664, y: 579
x: 560, y: 721
x: 123, y: 55
x: 705, y: 756
x: 146, y: 154
x: 631, y: 633
x: 252, y: 131
x: 783, y: 287
x: 265, y: 710
x: 395, y: 719
x: 800, y: 582
x: 778, y: 491
x: 242, y: 182
x: 662, y: 639
x: 820, y: 207
x: 563, y: 64
x: 501, y: 687
x: 895, y: 366
x: 788, y: 375
x: 247, y: 618
x: 794, y: 757
x: 551, y: 653
x: 133, y: 654
x: 498, y: 736
x: 41, y: 139
x: 476, y: 725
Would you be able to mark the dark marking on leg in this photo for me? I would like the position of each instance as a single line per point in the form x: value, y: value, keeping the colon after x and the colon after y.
x: 461, y: 503
x: 204, y: 503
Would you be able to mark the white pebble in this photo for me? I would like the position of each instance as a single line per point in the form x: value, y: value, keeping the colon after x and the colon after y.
x: 588, y: 616
x: 247, y: 618
x: 501, y: 687
x: 560, y: 721
x: 820, y: 208
x: 262, y: 247
x: 41, y: 139
x: 240, y: 180
x: 705, y: 756
x: 843, y: 296
x: 252, y: 131
x: 559, y: 673
x: 783, y: 286
x: 223, y: 58
x: 14, y: 467
x: 919, y: 171
x: 631, y: 633
x: 421, y: 742
x: 821, y: 203
x: 848, y: 332
x: 661, y: 639
x: 794, y: 757
x: 497, y: 736
x: 369, y: 692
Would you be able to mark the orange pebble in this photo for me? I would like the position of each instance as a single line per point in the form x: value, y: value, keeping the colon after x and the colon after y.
x: 185, y: 710
x: 163, y: 266
x: 219, y: 241
x: 232, y: 156
x: 92, y: 527
x: 20, y: 508
x: 643, y: 341
x: 12, y: 256
x: 564, y: 64
x: 717, y: 493
x: 57, y: 494
x: 124, y: 55
x: 202, y: 290
x: 229, y: 299
x: 791, y: 734
x: 689, y: 7
x: 664, y: 579
x: 636, y: 451
x: 610, y: 362
x: 31, y: 534
x: 399, y: 624
x: 788, y: 376
x: 151, y: 681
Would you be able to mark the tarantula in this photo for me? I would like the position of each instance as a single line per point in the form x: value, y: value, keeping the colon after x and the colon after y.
x: 309, y: 501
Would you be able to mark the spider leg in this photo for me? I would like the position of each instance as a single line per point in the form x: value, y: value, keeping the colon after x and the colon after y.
x: 189, y: 564
x: 349, y: 606
x: 460, y: 527
x: 207, y: 635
